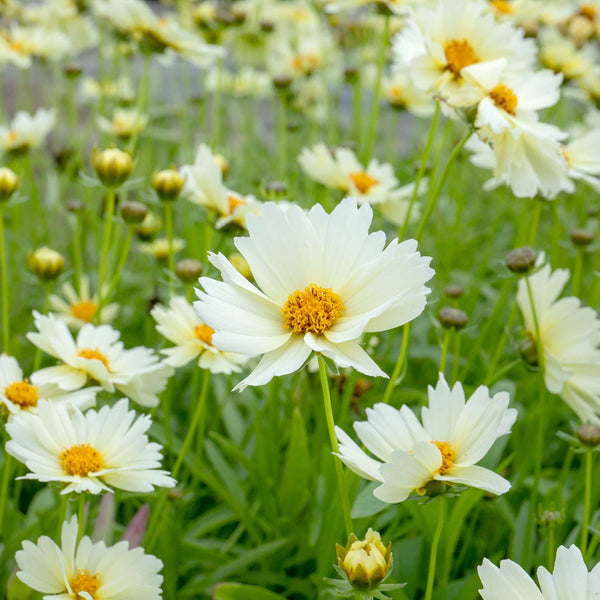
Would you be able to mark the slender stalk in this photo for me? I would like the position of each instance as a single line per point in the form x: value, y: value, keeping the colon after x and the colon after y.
x: 501, y: 341
x: 6, y: 475
x: 399, y: 364
x: 142, y: 100
x: 577, y: 270
x: 455, y: 357
x: 37, y: 361
x: 445, y: 344
x: 117, y: 276
x: 110, y: 212
x: 434, y: 549
x: 216, y: 105
x: 77, y: 251
x: 551, y: 543
x: 282, y: 135
x: 334, y: 445
x: 4, y: 283
x: 81, y: 517
x: 535, y: 222
x: 169, y: 228
x: 587, y: 503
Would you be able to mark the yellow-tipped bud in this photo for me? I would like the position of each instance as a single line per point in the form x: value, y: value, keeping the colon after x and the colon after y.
x: 150, y: 226
x: 167, y: 184
x: 113, y: 166
x: 241, y: 265
x: 46, y: 263
x: 188, y: 270
x: 9, y: 182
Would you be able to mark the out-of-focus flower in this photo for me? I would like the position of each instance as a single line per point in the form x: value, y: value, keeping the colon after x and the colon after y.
x: 159, y: 248
x: 46, y: 263
x: 26, y: 132
x: 125, y: 122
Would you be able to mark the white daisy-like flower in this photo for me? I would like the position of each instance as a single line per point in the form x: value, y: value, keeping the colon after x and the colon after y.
x: 455, y: 435
x: 125, y: 122
x: 92, y: 452
x: 159, y: 248
x: 98, y: 355
x: 180, y: 324
x: 570, y: 339
x: 18, y: 394
x: 322, y: 281
x: 570, y: 579
x: 77, y: 309
x: 400, y: 91
x: 26, y: 132
x: 88, y: 570
x: 583, y: 158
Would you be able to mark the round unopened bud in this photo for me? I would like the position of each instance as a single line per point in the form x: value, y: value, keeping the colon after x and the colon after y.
x: 581, y: 237
x: 589, y: 435
x: 133, y: 212
x: 521, y: 260
x: 351, y: 74
x: 222, y: 162
x: 72, y: 71
x: 241, y: 265
x: 174, y: 494
x: 433, y: 488
x: 46, y: 263
x: 9, y: 182
x: 282, y: 82
x: 167, y: 184
x: 113, y: 166
x: 528, y: 350
x: 452, y: 318
x: 267, y: 26
x: 550, y: 517
x: 453, y: 290
x: 275, y: 189
x: 75, y: 206
x: 188, y: 270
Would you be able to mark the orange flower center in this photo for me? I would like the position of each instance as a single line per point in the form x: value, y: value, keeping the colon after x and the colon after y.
x: 363, y: 181
x: 84, y: 310
x: 204, y: 333
x: 588, y: 11
x: 16, y: 46
x: 13, y: 136
x: 84, y: 582
x: 90, y: 353
x: 22, y: 393
x: 313, y: 309
x: 504, y: 98
x: 459, y: 54
x: 502, y: 6
x: 81, y: 460
x: 448, y: 456
x: 234, y: 202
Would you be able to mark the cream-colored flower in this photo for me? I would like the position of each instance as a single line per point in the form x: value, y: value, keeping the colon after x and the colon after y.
x: 159, y: 248
x: 125, y: 122
x: 26, y: 132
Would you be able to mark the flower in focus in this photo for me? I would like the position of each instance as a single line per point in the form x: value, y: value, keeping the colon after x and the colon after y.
x: 92, y: 452
x: 84, y: 570
x: 322, y: 281
x: 76, y: 309
x: 180, y: 324
x: 26, y: 132
x: 455, y: 435
x: 98, y: 355
x: 570, y: 579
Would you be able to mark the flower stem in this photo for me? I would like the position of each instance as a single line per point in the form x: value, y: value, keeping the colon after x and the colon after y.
x: 399, y: 364
x: 110, y: 211
x: 445, y: 344
x: 77, y: 252
x: 120, y: 266
x: 455, y: 358
x: 169, y: 228
x: 4, y: 283
x: 6, y: 473
x: 81, y: 517
x: 577, y: 269
x: 282, y: 136
x: 334, y: 445
x: 37, y: 361
x: 537, y: 213
x: 434, y: 549
x: 587, y: 502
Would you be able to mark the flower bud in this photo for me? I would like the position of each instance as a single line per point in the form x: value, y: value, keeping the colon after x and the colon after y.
x: 452, y: 318
x: 188, y: 270
x: 167, y: 184
x: 72, y: 71
x: 223, y: 163
x: 528, y: 350
x: 9, y: 182
x: 75, y: 205
x: 133, y: 212
x: 113, y: 166
x: 582, y: 237
x: 433, y: 488
x: 366, y: 562
x: 551, y: 517
x: 274, y: 190
x: 453, y: 290
x: 282, y: 82
x: 241, y: 265
x: 589, y: 435
x: 267, y: 26
x: 521, y: 260
x: 46, y: 263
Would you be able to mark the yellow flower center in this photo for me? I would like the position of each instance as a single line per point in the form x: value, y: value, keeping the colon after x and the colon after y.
x: 588, y: 11
x: 82, y: 460
x: 502, y: 6
x: 22, y: 393
x: 459, y: 54
x: 13, y: 136
x: 363, y: 181
x: 396, y: 92
x: 204, y: 333
x: 448, y: 456
x: 504, y: 98
x: 16, y: 46
x: 234, y: 202
x: 90, y: 353
x: 84, y: 582
x: 84, y: 310
x: 313, y: 309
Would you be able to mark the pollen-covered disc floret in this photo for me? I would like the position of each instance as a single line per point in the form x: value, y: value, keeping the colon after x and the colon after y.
x: 81, y: 460
x: 363, y: 181
x: 448, y: 456
x: 22, y: 393
x: 84, y: 582
x: 313, y: 309
x: 459, y: 54
x: 504, y: 98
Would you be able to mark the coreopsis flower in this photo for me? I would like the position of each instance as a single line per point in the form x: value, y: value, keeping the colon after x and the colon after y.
x: 583, y: 158
x: 13, y: 52
x: 84, y: 570
x: 322, y: 280
x: 455, y: 435
x: 180, y: 324
x: 18, y: 394
x: 98, y: 355
x: 92, y: 452
x: 125, y: 123
x: 400, y: 91
x: 40, y: 41
x: 76, y: 309
x: 159, y: 248
x: 26, y: 132
x: 570, y: 579
x: 569, y: 337
x: 120, y: 89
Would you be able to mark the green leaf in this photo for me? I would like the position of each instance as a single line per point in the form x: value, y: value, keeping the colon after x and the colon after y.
x: 239, y: 591
x: 366, y: 505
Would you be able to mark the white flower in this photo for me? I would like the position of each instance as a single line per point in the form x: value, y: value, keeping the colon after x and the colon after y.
x: 454, y: 437
x: 81, y: 308
x: 25, y: 131
x: 570, y: 339
x: 180, y: 324
x: 98, y: 355
x: 159, y: 248
x: 87, y: 570
x: 400, y: 91
x: 583, y: 158
x: 570, y: 579
x: 18, y: 394
x: 92, y: 452
x: 322, y: 280
x: 124, y: 123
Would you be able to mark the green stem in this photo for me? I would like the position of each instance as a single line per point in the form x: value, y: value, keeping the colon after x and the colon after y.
x: 81, y: 517
x: 169, y: 228
x: 587, y: 503
x: 334, y: 445
x: 77, y: 252
x: 4, y: 283
x: 434, y: 550
x: 456, y: 358
x: 6, y: 473
x: 110, y: 211
x: 399, y: 364
x: 501, y: 342
x: 117, y: 276
x: 551, y: 551
x: 142, y: 102
x: 282, y: 136
x: 37, y: 361
x: 578, y: 268
x: 537, y: 213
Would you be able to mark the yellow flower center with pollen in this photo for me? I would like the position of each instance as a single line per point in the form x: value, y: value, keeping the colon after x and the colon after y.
x: 313, y: 309
x: 204, y: 333
x: 459, y: 54
x: 448, y: 456
x: 588, y: 11
x: 22, y: 393
x: 90, y: 353
x: 13, y: 136
x: 504, y: 98
x: 502, y: 6
x: 84, y: 310
x: 234, y: 202
x: 363, y: 181
x: 84, y: 582
x: 81, y: 460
